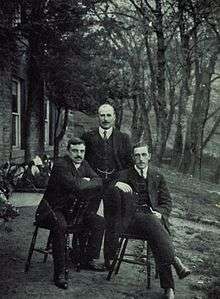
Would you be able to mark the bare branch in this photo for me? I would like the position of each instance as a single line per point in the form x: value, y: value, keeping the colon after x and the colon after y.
x: 216, y: 78
x: 213, y: 113
x: 149, y: 6
x: 211, y: 133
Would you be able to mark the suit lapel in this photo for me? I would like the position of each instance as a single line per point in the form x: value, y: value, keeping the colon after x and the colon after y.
x: 115, y: 141
x: 151, y: 186
x: 70, y: 164
x: 96, y: 135
x: 133, y: 178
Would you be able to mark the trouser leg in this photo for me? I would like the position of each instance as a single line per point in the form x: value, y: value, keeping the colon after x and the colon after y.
x: 96, y: 226
x: 118, y: 211
x: 57, y: 226
x: 166, y: 277
x: 110, y: 237
x: 150, y: 227
x: 58, y: 243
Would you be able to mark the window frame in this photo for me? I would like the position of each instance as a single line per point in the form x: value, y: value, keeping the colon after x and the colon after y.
x: 16, y: 115
x: 47, y: 122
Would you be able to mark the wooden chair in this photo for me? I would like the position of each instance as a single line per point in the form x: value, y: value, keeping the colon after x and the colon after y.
x: 73, y: 227
x: 131, y: 258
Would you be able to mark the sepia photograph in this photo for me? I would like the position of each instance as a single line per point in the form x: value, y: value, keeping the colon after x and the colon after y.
x: 110, y: 149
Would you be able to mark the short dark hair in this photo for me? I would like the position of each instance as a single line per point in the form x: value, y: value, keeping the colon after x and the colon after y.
x: 74, y: 141
x: 140, y: 144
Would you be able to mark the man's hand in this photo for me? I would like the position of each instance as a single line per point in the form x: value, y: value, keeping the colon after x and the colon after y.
x: 87, y: 179
x: 157, y: 214
x: 124, y: 187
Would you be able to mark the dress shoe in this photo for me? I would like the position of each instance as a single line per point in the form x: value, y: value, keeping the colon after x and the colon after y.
x: 60, y: 281
x: 93, y: 265
x: 181, y: 270
x: 169, y: 294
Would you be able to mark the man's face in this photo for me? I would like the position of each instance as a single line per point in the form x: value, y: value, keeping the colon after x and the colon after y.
x: 77, y: 153
x: 106, y: 117
x: 141, y: 157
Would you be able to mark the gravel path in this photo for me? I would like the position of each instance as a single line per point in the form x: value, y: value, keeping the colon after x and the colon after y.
x: 37, y: 283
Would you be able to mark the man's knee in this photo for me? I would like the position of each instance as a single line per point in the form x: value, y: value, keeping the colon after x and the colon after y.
x: 100, y: 221
x: 95, y: 222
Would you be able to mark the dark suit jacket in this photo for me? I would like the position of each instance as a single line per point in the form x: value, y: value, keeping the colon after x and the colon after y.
x: 121, y: 147
x: 157, y: 190
x: 66, y: 183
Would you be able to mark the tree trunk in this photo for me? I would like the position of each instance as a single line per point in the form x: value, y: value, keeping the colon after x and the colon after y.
x: 177, y: 147
x: 201, y: 103
x: 136, y: 128
x: 184, y: 89
x: 160, y: 146
x: 216, y: 177
x: 35, y: 100
x: 59, y: 136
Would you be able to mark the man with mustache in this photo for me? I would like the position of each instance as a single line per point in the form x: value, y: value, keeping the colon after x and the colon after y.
x: 71, y: 178
x: 107, y: 150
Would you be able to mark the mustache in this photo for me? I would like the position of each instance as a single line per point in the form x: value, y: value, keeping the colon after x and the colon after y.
x: 78, y: 157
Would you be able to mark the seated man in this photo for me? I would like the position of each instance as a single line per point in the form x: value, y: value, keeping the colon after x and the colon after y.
x: 71, y: 178
x: 146, y: 204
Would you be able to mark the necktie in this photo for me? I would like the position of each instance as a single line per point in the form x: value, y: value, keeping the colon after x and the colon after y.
x: 142, y: 173
x: 105, y: 135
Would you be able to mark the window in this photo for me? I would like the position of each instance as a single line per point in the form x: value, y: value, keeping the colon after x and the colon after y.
x: 16, y: 113
x: 46, y: 122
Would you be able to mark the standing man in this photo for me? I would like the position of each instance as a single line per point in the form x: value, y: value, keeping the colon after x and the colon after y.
x: 107, y: 150
x: 144, y: 191
x: 71, y: 178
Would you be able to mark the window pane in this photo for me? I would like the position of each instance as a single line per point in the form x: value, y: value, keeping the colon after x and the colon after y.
x: 13, y: 137
x: 14, y: 96
x: 14, y: 104
x: 45, y: 110
x: 14, y: 87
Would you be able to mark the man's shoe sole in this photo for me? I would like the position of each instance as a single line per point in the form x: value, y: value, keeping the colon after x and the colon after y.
x: 184, y: 274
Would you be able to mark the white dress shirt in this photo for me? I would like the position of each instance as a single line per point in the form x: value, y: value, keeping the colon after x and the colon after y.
x: 77, y: 165
x: 139, y: 171
x: 108, y: 132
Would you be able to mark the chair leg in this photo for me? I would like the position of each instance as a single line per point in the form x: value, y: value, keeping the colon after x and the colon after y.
x: 114, y: 260
x: 31, y: 249
x: 121, y: 256
x: 49, y: 240
x: 67, y: 245
x: 148, y: 267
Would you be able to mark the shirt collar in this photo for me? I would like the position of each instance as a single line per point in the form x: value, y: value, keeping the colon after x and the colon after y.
x: 77, y: 165
x: 108, y: 132
x: 139, y: 171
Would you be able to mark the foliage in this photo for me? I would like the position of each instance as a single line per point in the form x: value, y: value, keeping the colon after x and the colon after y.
x: 160, y: 58
x: 169, y: 53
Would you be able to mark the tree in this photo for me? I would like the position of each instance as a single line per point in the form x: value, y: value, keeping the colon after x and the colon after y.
x: 43, y: 32
x: 205, y: 56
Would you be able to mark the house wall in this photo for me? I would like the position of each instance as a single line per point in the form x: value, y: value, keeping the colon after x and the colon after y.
x: 78, y: 122
x: 37, y: 119
x: 5, y: 116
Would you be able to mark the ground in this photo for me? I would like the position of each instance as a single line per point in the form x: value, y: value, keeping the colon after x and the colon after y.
x: 195, y: 228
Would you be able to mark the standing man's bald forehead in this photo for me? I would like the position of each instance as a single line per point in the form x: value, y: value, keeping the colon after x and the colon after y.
x: 106, y: 107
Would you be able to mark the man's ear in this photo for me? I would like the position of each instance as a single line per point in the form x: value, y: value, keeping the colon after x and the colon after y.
x: 132, y: 156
